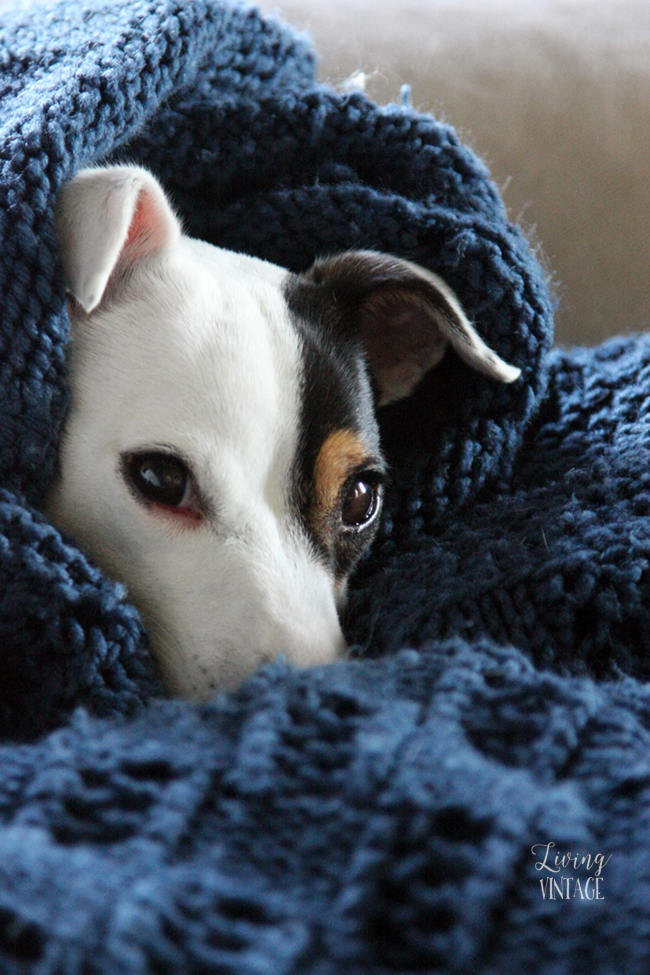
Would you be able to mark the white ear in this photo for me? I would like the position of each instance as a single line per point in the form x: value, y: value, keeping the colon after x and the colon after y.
x: 106, y: 215
x: 407, y: 317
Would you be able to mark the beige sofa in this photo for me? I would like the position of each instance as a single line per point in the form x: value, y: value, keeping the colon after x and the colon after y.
x: 554, y: 94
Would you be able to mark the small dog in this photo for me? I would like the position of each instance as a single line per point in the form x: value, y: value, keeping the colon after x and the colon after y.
x: 221, y: 456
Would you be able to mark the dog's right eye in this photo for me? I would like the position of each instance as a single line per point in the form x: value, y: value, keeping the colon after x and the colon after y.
x: 158, y: 477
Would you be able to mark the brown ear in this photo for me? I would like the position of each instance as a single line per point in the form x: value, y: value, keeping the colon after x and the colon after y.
x: 407, y: 317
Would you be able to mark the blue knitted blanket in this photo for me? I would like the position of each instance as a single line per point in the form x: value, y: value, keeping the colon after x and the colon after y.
x: 470, y: 791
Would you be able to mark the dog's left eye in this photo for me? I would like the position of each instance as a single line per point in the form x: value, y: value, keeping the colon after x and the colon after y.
x: 158, y: 477
x: 361, y: 501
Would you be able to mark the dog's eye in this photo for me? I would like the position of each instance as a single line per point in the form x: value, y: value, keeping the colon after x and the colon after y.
x: 160, y: 478
x: 360, y: 501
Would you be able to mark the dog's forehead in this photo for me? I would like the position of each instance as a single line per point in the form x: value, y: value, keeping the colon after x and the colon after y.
x: 223, y: 300
x: 206, y: 355
x: 205, y: 317
x: 209, y: 334
x: 199, y: 352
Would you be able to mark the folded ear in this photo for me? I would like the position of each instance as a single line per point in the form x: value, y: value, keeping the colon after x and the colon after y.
x: 108, y: 218
x: 407, y: 317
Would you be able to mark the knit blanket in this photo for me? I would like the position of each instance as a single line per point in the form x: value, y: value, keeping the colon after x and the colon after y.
x: 470, y: 789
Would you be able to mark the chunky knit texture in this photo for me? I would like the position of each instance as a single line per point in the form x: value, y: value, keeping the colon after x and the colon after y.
x: 557, y: 560
x: 375, y: 816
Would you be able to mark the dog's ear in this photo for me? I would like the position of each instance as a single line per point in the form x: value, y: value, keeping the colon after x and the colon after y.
x: 407, y: 316
x: 108, y: 218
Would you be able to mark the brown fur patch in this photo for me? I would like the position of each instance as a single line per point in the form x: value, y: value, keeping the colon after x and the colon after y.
x: 342, y: 452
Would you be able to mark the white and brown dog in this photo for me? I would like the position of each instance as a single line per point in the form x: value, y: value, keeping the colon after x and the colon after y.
x: 221, y: 456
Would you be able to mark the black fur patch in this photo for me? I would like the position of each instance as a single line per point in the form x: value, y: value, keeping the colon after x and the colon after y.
x: 336, y: 394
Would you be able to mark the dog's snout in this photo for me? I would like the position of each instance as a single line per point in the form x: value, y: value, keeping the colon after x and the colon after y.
x: 254, y: 610
x: 306, y: 638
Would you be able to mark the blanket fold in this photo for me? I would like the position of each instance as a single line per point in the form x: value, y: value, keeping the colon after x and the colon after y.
x: 402, y: 810
x: 384, y: 816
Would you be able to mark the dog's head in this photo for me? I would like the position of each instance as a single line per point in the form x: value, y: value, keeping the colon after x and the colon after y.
x: 221, y: 456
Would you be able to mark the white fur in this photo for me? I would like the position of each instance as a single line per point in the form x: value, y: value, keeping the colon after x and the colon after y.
x: 190, y: 349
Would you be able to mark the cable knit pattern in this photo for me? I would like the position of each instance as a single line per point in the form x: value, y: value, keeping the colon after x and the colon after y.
x: 376, y: 816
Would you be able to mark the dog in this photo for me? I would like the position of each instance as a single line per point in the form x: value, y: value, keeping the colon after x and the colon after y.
x: 221, y: 455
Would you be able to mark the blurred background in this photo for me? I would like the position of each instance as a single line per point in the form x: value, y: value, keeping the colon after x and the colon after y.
x: 554, y: 95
